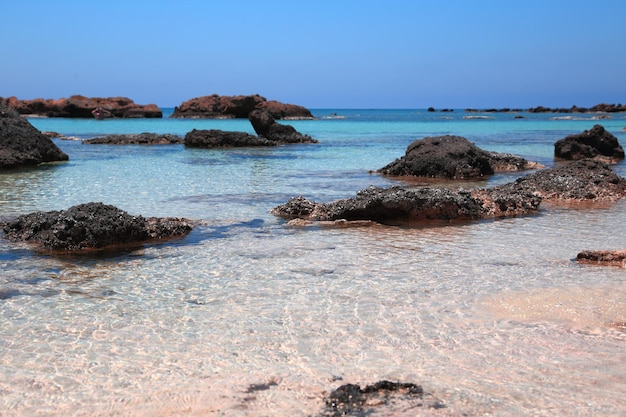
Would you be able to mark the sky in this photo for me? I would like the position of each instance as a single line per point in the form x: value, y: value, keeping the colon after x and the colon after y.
x: 320, y: 53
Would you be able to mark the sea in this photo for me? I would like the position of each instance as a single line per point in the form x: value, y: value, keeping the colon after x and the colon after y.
x: 250, y: 316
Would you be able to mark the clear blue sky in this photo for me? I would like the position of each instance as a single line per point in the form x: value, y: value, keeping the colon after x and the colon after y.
x: 319, y: 53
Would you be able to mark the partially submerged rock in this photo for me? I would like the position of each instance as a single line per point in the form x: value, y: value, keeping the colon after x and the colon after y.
x: 215, y: 138
x: 386, y: 396
x: 269, y: 133
x: 595, y: 143
x: 603, y: 257
x: 578, y: 181
x: 21, y: 144
x: 229, y: 107
x: 265, y: 126
x: 136, y: 139
x: 452, y: 157
x: 91, y: 226
x: 399, y: 205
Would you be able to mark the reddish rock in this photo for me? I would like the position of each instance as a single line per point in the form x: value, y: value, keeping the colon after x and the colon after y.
x: 604, y: 257
x: 236, y: 107
x: 84, y: 107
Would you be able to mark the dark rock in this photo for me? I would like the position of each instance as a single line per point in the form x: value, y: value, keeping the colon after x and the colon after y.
x: 586, y: 180
x: 594, y: 143
x: 84, y: 107
x: 604, y: 257
x: 580, y: 181
x: 224, y: 139
x: 21, y: 144
x: 138, y: 139
x: 398, y: 205
x: 230, y: 107
x: 452, y: 157
x: 384, y: 396
x: 265, y: 126
x: 91, y: 226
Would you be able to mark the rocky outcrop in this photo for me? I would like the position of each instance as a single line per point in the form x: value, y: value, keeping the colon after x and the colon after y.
x: 578, y: 181
x: 452, y: 157
x: 604, y: 257
x: 21, y: 144
x: 398, y: 205
x: 595, y: 143
x: 215, y: 138
x: 138, y: 139
x: 84, y: 107
x: 270, y: 133
x: 265, y: 126
x: 233, y: 107
x: 91, y: 226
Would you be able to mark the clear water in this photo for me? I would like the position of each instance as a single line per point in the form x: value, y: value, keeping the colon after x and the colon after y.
x: 493, y: 318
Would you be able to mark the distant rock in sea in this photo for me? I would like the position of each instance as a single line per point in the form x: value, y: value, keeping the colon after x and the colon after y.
x: 21, y: 144
x: 452, y: 157
x: 595, y: 143
x: 84, y: 107
x: 237, y: 107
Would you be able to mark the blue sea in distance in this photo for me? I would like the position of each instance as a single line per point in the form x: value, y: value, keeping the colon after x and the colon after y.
x: 491, y: 318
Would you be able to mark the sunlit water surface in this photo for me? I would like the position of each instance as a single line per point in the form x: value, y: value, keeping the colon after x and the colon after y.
x: 492, y: 318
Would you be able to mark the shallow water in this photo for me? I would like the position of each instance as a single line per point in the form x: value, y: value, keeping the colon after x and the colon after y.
x: 492, y: 318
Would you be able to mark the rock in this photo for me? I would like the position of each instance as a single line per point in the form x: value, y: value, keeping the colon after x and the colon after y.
x: 595, y: 143
x: 138, y: 139
x: 21, y: 144
x: 452, y: 157
x: 223, y: 139
x: 389, y: 398
x: 586, y: 180
x: 84, y: 107
x: 580, y: 181
x: 265, y: 126
x: 398, y: 205
x: 91, y: 226
x: 604, y: 257
x: 230, y: 107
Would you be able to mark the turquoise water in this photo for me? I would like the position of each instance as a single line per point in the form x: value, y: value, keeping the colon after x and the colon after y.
x: 491, y: 317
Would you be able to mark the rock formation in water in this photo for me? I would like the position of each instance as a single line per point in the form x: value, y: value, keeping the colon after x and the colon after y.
x: 603, y: 257
x: 384, y: 397
x: 90, y: 227
x: 265, y: 126
x: 400, y: 205
x: 586, y: 180
x: 452, y: 157
x: 595, y: 143
x: 231, y: 107
x: 270, y: 133
x: 580, y: 181
x: 136, y: 139
x: 215, y: 138
x: 84, y: 107
x: 21, y: 144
